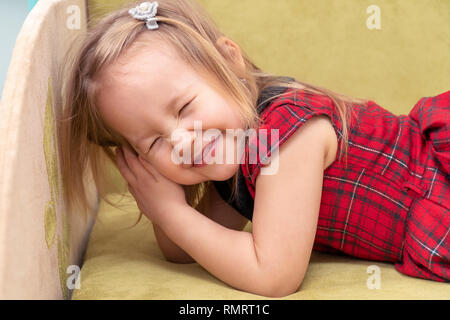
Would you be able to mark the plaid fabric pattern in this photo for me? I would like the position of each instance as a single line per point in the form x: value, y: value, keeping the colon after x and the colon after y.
x: 391, y: 202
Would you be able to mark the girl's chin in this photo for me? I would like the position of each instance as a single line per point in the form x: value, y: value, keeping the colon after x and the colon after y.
x: 215, y: 172
x: 225, y: 172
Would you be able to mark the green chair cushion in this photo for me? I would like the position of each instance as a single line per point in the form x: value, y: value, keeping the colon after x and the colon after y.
x: 126, y: 263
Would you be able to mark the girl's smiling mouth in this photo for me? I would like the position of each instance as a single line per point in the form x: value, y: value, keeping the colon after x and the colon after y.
x: 208, y: 152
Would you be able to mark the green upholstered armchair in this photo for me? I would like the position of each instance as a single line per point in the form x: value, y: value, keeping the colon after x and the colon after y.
x: 392, y: 53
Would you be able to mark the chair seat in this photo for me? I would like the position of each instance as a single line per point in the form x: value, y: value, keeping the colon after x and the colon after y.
x: 126, y: 263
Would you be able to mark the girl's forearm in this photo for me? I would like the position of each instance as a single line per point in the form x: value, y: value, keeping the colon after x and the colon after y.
x: 227, y: 254
x: 170, y: 250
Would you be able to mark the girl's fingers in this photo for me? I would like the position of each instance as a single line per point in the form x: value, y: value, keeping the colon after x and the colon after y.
x: 147, y: 166
x: 123, y: 166
x: 131, y: 161
x: 131, y: 190
x: 135, y: 165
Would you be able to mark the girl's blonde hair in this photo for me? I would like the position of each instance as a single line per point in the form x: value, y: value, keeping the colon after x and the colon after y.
x: 85, y: 139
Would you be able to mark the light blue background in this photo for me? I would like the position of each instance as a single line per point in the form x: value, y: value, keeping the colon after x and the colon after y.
x: 12, y: 16
x: 31, y: 4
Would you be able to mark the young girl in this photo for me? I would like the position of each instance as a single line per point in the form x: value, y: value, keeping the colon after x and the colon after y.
x: 347, y: 176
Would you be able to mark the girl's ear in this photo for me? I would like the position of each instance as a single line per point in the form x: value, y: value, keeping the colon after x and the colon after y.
x: 231, y: 52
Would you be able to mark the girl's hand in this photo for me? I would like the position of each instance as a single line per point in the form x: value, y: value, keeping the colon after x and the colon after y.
x: 155, y: 195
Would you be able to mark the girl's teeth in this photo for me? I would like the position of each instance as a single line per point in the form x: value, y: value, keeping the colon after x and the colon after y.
x: 208, y: 153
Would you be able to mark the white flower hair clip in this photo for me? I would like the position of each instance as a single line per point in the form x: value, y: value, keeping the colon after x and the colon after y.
x: 146, y: 11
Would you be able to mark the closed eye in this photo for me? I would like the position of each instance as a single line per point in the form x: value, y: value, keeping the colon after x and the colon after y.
x: 179, y: 112
x: 184, y: 107
x: 154, y: 142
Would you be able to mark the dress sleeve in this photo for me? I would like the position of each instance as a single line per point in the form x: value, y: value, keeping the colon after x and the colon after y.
x: 278, y: 125
x: 432, y: 115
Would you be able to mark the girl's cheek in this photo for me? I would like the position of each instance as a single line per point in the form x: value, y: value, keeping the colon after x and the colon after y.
x: 151, y: 157
x: 162, y: 156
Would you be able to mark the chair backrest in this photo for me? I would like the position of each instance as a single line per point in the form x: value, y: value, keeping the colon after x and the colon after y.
x: 41, y: 244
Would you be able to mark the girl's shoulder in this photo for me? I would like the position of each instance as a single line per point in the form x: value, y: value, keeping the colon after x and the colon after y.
x: 296, y: 100
x: 280, y: 118
x: 286, y: 113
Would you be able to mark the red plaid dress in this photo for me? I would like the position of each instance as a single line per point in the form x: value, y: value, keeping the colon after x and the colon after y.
x: 392, y: 201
